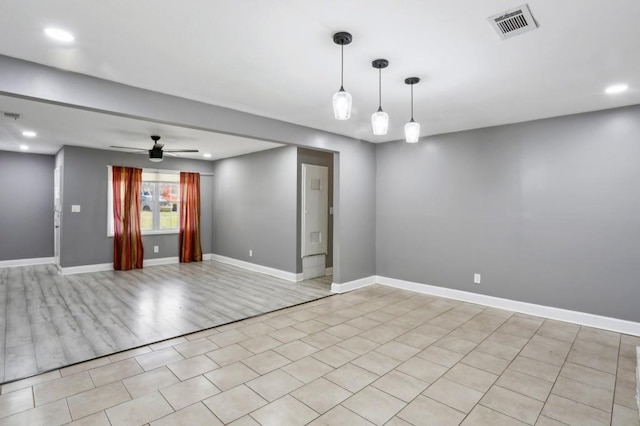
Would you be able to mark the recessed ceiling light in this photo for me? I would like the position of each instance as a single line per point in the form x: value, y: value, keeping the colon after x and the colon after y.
x: 29, y: 134
x: 616, y: 88
x: 206, y: 155
x: 24, y: 147
x: 60, y: 35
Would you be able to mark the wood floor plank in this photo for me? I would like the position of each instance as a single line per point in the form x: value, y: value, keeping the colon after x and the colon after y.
x: 48, y: 321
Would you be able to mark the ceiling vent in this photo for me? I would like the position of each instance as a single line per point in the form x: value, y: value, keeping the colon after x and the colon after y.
x: 513, y: 22
x: 13, y: 115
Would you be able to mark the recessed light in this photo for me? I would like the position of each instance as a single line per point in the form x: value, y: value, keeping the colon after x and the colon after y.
x: 29, y: 134
x: 616, y: 88
x: 24, y: 147
x: 60, y: 35
x: 206, y: 155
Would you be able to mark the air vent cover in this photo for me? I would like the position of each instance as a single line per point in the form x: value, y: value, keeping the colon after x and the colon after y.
x: 13, y: 115
x: 513, y: 22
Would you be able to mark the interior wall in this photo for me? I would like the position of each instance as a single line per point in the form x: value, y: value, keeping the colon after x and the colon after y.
x: 84, y: 239
x: 254, y: 208
x: 26, y: 215
x: 316, y: 158
x: 547, y: 211
x: 354, y: 208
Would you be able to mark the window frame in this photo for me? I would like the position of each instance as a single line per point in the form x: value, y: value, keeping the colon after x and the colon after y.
x: 156, y: 201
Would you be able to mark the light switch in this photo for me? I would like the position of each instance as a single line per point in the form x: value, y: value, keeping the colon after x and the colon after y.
x: 75, y: 208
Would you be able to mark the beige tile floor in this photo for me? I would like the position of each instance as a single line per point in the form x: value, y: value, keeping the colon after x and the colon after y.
x: 376, y: 356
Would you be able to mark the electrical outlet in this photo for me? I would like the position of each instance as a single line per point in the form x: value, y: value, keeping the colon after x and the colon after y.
x: 156, y: 249
x: 250, y: 253
x: 476, y: 278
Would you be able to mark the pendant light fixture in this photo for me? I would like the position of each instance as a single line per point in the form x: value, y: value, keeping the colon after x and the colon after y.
x: 380, y: 119
x: 342, y: 99
x: 412, y: 129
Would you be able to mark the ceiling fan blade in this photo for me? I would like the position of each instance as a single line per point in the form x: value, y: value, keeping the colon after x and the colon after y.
x: 181, y: 150
x: 128, y: 147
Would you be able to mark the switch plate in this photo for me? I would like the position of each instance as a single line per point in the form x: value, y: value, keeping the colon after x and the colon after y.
x: 250, y: 253
x: 156, y: 249
x: 476, y: 278
x: 75, y: 208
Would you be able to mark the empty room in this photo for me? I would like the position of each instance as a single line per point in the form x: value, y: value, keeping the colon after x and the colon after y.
x: 323, y: 213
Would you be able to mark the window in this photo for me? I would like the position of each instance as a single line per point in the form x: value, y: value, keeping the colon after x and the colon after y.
x: 159, y: 203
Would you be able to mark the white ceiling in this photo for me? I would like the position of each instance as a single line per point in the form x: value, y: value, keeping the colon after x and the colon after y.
x: 277, y: 59
x: 58, y: 126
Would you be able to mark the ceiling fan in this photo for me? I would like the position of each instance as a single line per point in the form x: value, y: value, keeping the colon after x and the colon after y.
x: 156, y: 152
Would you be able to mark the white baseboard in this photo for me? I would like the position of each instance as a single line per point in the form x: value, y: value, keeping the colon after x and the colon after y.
x: 26, y: 262
x: 582, y: 318
x: 352, y: 285
x: 329, y: 271
x: 638, y: 377
x: 160, y: 261
x: 83, y: 269
x: 289, y: 276
x: 207, y: 256
x: 70, y: 270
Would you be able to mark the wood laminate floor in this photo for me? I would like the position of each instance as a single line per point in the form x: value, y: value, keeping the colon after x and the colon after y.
x: 48, y: 321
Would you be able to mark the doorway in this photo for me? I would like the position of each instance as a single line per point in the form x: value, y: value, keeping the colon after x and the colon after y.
x: 57, y: 210
x: 315, y: 213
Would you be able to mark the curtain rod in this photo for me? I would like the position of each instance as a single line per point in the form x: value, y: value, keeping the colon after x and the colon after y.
x: 169, y: 172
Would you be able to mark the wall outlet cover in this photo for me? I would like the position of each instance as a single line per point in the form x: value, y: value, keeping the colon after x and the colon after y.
x: 476, y: 278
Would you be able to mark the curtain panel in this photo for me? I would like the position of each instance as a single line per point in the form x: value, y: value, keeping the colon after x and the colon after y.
x: 127, y: 242
x: 190, y: 248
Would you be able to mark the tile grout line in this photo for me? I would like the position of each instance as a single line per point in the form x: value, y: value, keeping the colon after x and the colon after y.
x: 448, y: 368
x: 505, y: 369
x: 556, y: 380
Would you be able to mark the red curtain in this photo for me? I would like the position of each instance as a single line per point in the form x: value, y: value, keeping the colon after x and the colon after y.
x: 190, y: 249
x: 127, y: 242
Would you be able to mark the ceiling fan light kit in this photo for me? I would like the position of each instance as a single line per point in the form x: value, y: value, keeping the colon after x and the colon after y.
x: 155, y: 153
x: 342, y: 100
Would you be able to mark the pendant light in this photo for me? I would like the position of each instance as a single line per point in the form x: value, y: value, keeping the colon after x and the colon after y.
x: 412, y: 129
x: 380, y: 119
x: 342, y: 99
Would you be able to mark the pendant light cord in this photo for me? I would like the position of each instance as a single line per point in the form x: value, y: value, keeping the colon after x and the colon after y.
x: 412, y: 102
x: 342, y: 67
x: 379, y: 88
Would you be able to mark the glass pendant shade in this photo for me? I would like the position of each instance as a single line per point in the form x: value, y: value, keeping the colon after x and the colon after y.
x: 412, y: 131
x: 342, y: 105
x: 380, y: 122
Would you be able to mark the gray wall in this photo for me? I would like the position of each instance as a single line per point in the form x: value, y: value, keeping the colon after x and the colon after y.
x: 254, y: 208
x: 547, y: 211
x: 354, y: 209
x: 84, y: 238
x: 26, y: 215
x: 316, y: 158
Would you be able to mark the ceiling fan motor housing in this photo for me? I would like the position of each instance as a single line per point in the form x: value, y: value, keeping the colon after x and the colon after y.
x: 155, y: 154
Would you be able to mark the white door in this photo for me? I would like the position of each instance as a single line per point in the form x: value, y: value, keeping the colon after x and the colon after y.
x: 315, y: 209
x: 57, y: 208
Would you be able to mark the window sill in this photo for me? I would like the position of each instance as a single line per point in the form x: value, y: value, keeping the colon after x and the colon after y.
x: 160, y: 232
